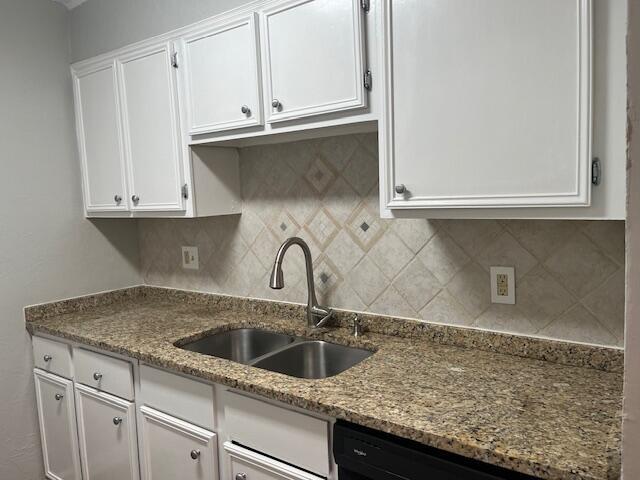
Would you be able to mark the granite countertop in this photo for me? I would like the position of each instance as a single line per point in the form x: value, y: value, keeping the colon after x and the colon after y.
x: 551, y: 420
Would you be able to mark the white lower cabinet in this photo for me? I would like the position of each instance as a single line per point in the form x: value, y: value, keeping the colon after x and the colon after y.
x: 249, y: 465
x: 56, y: 412
x: 107, y: 434
x: 175, y: 449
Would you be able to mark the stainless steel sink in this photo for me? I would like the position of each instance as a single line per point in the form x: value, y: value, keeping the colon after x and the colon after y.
x: 241, y: 345
x: 277, y: 352
x: 313, y: 359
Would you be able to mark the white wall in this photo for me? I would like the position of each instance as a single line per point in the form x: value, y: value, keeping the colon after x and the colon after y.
x: 99, y: 26
x: 47, y: 249
x: 631, y: 425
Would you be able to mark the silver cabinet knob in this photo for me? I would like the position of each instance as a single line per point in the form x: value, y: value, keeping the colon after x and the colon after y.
x: 117, y: 198
x: 195, y: 454
x: 241, y: 476
x: 117, y: 421
x: 246, y: 110
x: 275, y: 103
x: 97, y: 376
x: 47, y: 358
x: 59, y: 396
x: 135, y: 198
x: 400, y: 189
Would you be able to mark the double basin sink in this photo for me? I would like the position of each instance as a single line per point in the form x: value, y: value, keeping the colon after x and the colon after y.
x: 278, y: 352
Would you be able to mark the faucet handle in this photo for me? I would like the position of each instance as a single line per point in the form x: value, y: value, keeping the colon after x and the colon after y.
x: 357, y: 327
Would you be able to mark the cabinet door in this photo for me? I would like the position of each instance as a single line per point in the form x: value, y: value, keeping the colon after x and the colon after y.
x: 57, y: 417
x: 249, y: 465
x: 107, y: 433
x: 477, y: 121
x: 174, y: 449
x: 313, y: 55
x: 152, y: 131
x: 100, y: 139
x: 222, y: 81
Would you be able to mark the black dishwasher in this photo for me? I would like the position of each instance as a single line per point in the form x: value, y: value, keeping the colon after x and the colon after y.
x: 365, y: 454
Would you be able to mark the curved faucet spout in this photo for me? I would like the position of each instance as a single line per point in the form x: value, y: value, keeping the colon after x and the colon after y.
x: 317, y: 316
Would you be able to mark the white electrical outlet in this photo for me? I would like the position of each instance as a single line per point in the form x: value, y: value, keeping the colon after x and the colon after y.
x: 503, y: 285
x: 190, y: 258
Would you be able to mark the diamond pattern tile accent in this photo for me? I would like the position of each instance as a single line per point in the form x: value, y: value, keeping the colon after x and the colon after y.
x: 319, y: 175
x: 326, y: 275
x: 322, y: 228
x: 570, y: 273
x: 364, y: 227
x: 284, y: 226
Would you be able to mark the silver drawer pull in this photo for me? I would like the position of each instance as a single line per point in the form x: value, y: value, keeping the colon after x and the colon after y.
x: 47, y: 358
x: 59, y: 396
x: 195, y: 454
x: 97, y: 376
x: 117, y: 421
x: 241, y: 476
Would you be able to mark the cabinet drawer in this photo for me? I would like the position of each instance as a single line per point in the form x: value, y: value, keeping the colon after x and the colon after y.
x: 253, y: 466
x: 103, y: 373
x: 290, y: 436
x: 178, y: 396
x: 52, y: 356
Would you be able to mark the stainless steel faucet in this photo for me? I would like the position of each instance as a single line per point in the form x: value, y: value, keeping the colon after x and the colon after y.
x: 317, y: 316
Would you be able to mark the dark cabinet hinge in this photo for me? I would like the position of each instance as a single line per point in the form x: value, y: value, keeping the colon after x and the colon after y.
x: 366, y: 5
x: 367, y: 80
x: 174, y: 60
x: 185, y: 191
x: 596, y: 172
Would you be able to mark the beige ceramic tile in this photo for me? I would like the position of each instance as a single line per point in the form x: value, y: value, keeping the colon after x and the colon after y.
x: 580, y: 326
x: 443, y: 257
x: 417, y: 284
x: 392, y: 303
x: 444, y: 308
x: 415, y: 233
x: 472, y: 235
x: 368, y: 281
x: 505, y: 251
x: 505, y: 318
x: 471, y: 288
x: 580, y: 266
x: 390, y: 254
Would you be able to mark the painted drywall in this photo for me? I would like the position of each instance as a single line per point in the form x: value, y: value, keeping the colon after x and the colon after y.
x: 99, y: 26
x: 631, y: 415
x: 47, y: 249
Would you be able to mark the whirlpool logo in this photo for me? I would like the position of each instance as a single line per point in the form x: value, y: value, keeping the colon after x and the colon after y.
x: 359, y: 452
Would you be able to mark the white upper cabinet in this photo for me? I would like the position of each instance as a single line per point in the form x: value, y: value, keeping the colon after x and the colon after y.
x: 313, y: 53
x: 221, y: 70
x: 152, y: 129
x: 487, y: 103
x: 100, y: 138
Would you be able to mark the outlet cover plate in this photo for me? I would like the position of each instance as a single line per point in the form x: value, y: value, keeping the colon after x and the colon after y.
x: 503, y: 285
x: 190, y: 258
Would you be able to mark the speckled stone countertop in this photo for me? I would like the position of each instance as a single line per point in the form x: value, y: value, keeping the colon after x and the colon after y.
x: 547, y: 419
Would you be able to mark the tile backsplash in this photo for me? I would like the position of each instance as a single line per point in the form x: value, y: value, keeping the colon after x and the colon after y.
x: 569, y: 274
